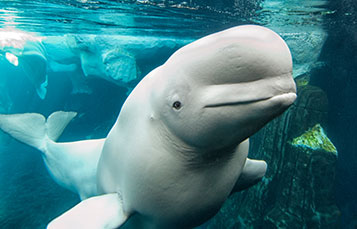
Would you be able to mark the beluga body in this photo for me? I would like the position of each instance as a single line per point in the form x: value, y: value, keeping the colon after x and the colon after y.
x: 179, y: 147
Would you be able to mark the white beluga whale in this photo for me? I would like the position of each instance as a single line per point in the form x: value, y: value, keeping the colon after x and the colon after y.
x: 179, y: 147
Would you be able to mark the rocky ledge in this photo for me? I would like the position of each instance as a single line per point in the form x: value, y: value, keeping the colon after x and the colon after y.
x: 298, y: 189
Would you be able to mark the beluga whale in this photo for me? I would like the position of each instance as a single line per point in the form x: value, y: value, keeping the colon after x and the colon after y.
x: 179, y: 146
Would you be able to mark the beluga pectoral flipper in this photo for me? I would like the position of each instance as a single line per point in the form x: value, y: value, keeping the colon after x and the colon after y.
x: 253, y: 171
x: 104, y: 211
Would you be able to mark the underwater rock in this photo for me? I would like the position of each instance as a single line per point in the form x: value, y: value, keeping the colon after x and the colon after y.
x: 315, y: 139
x: 298, y: 189
x: 118, y: 59
x: 302, y: 80
x: 121, y: 60
x: 301, y: 26
x: 305, y: 47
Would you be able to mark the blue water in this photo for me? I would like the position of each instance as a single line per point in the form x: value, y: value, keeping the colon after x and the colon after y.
x: 90, y: 54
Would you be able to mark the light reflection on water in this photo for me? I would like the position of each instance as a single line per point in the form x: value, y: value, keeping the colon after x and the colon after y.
x: 176, y: 18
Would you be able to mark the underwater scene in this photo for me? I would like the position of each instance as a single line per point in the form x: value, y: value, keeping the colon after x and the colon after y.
x: 69, y: 68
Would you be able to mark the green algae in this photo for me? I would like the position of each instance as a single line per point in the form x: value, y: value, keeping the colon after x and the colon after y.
x: 315, y: 139
x: 302, y: 80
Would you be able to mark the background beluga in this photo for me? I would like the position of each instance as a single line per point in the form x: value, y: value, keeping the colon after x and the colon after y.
x: 179, y: 146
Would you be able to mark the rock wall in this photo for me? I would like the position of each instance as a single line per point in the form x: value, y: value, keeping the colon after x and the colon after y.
x: 298, y: 189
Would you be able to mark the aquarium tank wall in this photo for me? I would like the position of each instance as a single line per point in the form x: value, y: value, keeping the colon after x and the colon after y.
x: 87, y: 56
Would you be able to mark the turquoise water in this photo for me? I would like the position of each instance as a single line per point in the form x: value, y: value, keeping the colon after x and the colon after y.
x: 87, y: 56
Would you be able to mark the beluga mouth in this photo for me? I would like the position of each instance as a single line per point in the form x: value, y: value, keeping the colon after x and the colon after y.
x: 280, y: 88
x: 223, y: 104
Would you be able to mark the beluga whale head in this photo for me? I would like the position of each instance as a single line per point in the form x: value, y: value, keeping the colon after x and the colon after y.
x: 215, y: 92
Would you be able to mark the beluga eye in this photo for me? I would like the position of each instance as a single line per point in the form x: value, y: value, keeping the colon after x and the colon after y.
x: 177, y: 105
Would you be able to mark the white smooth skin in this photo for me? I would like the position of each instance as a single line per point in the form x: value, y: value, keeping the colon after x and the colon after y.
x: 174, y: 168
x: 73, y: 165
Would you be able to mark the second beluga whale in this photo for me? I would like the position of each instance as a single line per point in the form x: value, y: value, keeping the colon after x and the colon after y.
x: 179, y: 146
